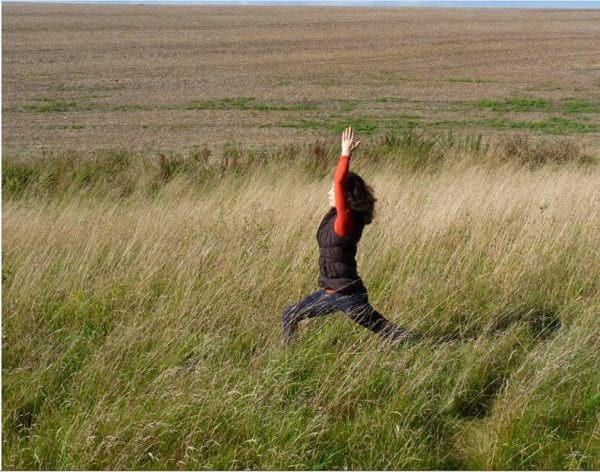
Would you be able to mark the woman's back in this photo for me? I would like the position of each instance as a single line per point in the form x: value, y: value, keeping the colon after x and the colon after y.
x: 337, y: 255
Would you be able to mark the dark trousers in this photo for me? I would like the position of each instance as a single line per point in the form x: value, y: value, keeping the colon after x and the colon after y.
x: 356, y: 306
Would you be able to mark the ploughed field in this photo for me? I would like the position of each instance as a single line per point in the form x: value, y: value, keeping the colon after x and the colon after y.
x: 168, y: 77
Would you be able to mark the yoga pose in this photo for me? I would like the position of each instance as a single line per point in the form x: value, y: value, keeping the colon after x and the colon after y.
x: 341, y: 289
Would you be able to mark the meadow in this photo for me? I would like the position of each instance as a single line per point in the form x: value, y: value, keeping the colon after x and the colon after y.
x: 164, y: 172
x: 142, y: 304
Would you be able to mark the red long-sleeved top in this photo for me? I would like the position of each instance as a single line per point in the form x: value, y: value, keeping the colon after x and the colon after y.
x: 343, y: 220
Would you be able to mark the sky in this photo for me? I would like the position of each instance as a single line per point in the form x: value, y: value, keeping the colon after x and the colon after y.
x: 568, y: 4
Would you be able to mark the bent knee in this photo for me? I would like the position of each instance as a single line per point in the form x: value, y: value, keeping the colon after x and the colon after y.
x: 289, y: 313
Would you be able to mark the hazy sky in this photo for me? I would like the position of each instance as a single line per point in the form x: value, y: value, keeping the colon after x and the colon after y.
x: 389, y: 3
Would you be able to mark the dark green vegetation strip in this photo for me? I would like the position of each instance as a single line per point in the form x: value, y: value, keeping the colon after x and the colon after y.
x: 366, y: 124
x: 574, y: 105
x: 470, y: 80
x: 247, y: 103
x: 361, y: 125
x: 46, y: 105
x: 532, y: 104
x: 552, y: 125
x: 121, y: 173
x: 515, y: 104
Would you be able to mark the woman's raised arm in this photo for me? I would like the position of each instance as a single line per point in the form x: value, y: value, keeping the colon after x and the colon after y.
x: 343, y: 221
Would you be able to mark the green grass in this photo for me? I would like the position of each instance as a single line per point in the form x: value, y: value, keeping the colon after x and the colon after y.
x: 361, y: 125
x: 246, y: 103
x: 471, y: 80
x: 551, y: 125
x: 568, y: 105
x: 121, y: 173
x: 515, y: 105
x: 47, y: 105
x: 390, y: 100
x: 134, y: 339
x: 575, y: 106
x: 53, y: 106
x: 346, y: 105
x: 132, y: 107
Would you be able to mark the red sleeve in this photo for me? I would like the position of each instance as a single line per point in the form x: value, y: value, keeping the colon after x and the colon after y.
x: 343, y: 220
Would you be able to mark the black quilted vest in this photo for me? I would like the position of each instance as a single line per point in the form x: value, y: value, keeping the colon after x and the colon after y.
x: 337, y: 263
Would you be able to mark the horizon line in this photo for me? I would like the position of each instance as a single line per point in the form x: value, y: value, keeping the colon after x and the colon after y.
x: 520, y: 4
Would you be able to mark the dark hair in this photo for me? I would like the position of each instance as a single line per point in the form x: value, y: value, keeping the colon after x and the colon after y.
x: 361, y: 197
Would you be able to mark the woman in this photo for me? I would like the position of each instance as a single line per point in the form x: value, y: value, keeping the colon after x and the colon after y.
x: 341, y: 289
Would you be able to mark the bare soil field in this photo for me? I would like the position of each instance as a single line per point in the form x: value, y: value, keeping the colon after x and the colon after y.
x: 87, y: 77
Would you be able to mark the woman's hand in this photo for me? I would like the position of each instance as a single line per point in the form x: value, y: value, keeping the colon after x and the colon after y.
x: 348, y: 144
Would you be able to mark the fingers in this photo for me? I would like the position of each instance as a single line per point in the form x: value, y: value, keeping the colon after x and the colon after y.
x: 348, y: 139
x: 347, y: 134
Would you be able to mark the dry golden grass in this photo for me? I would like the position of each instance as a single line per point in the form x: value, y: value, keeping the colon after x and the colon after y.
x: 151, y: 327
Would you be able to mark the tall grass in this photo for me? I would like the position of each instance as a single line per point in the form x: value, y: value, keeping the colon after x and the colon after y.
x: 142, y: 305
